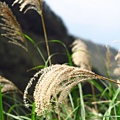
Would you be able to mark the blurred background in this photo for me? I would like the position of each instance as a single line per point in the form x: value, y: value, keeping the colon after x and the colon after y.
x: 95, y: 20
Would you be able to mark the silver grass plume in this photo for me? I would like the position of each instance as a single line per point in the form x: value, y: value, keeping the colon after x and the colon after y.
x: 11, y: 27
x: 54, y: 84
x: 30, y: 4
x: 80, y: 54
x: 8, y: 86
x: 117, y: 69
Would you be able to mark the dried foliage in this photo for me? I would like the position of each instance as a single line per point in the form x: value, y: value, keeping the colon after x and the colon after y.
x: 30, y: 4
x: 7, y: 86
x: 11, y: 27
x: 54, y: 84
x: 80, y: 54
x: 117, y: 69
x: 108, y: 56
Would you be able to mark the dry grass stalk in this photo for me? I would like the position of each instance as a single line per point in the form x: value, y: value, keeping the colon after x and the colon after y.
x: 37, y: 6
x: 54, y: 84
x: 80, y: 55
x: 7, y: 86
x: 11, y: 27
x: 117, y: 69
x: 108, y: 55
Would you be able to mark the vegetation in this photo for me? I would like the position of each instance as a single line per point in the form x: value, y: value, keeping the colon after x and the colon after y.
x: 57, y: 92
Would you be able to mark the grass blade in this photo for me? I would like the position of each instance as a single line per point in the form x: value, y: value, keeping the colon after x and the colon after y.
x: 1, y: 106
x: 33, y: 112
x: 34, y: 43
x: 82, y: 102
x: 68, y: 54
x: 17, y: 117
x: 111, y: 105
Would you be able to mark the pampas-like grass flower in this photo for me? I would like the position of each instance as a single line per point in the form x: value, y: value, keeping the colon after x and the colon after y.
x: 11, y: 27
x: 54, y: 84
x: 117, y: 69
x: 30, y: 4
x: 117, y: 57
x: 8, y: 86
x: 80, y: 55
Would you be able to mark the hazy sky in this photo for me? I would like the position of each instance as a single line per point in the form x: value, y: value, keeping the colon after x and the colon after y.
x: 95, y: 20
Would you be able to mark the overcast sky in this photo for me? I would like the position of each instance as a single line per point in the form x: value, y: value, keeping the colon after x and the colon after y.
x: 95, y: 20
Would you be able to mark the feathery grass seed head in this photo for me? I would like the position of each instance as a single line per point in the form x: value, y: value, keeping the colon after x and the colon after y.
x: 80, y: 55
x: 54, y: 84
x: 11, y: 27
x: 117, y: 69
x: 30, y: 4
x: 7, y: 86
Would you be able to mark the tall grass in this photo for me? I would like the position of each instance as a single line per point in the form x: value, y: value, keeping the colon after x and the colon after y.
x: 1, y: 105
x: 59, y: 93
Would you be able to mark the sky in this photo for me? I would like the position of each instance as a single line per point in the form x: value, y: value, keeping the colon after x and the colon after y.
x: 95, y: 20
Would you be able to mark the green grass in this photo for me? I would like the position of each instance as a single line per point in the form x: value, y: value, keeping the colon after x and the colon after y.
x: 1, y: 105
x: 81, y: 107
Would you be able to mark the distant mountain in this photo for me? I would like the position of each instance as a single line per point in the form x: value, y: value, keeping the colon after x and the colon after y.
x: 98, y: 57
x: 15, y: 61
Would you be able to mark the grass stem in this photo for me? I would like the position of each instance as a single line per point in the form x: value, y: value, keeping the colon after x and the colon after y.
x: 45, y: 35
